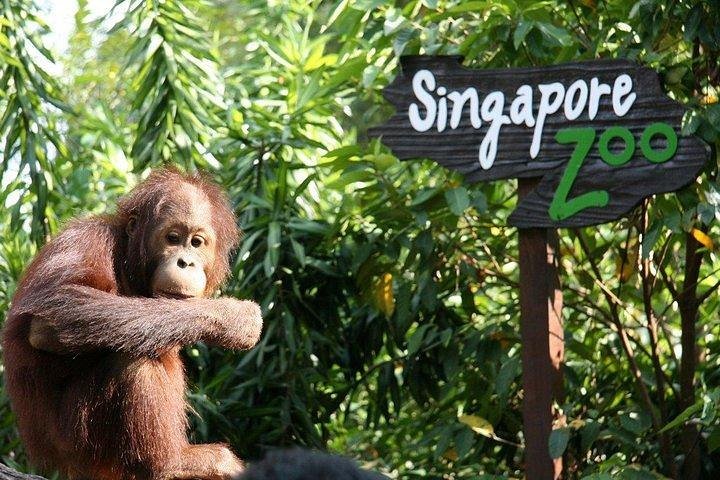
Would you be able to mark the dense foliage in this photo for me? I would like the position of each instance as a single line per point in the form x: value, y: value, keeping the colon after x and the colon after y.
x: 389, y: 289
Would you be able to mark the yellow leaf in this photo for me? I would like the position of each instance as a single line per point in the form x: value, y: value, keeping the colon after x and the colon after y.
x: 625, y: 267
x: 703, y: 238
x: 709, y: 99
x: 577, y: 423
x: 451, y: 454
x: 237, y: 116
x: 316, y: 58
x: 384, y: 297
x: 478, y: 425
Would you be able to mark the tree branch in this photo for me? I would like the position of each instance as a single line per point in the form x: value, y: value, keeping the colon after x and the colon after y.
x: 7, y: 473
x: 648, y: 282
x: 624, y: 340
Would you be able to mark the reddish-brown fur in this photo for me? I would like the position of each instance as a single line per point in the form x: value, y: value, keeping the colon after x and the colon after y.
x: 103, y: 397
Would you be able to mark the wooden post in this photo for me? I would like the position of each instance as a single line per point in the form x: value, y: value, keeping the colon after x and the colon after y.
x: 541, y: 332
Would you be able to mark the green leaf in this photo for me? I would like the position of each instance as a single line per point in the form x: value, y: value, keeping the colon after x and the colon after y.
x: 416, y: 339
x: 588, y: 434
x: 471, y: 6
x: 464, y: 441
x: 683, y: 417
x: 299, y: 251
x: 650, y: 239
x: 560, y: 35
x: 558, y: 441
x: 458, y: 200
x: 423, y: 196
x: 636, y: 472
x: 443, y: 442
x: 273, y: 248
x: 713, y: 442
x: 479, y: 201
x: 507, y: 374
x: 635, y: 422
x: 523, y: 27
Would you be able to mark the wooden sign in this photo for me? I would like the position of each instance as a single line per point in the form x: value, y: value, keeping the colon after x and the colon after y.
x: 601, y: 134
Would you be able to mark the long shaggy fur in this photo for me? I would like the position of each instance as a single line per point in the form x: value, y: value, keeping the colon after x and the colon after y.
x: 105, y: 398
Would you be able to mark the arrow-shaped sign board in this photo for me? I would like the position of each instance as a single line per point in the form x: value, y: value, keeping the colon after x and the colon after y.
x: 601, y: 134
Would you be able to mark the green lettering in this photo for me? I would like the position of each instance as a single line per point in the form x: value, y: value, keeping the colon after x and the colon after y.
x: 560, y: 207
x: 616, y: 159
x: 659, y: 156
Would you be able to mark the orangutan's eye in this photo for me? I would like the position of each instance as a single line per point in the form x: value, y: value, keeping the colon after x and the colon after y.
x: 197, y: 241
x: 173, y: 238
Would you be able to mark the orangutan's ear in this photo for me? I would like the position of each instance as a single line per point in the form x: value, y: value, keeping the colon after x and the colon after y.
x: 131, y: 225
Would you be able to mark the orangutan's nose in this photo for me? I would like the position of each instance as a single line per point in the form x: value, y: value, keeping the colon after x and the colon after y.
x: 182, y: 263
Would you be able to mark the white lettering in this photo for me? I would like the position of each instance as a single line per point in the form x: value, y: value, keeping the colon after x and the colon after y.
x: 445, y: 108
x: 459, y: 100
x: 546, y: 108
x: 442, y: 109
x: 491, y: 110
x: 573, y: 112
x: 623, y: 86
x: 423, y: 77
x: 521, y: 108
x: 597, y: 90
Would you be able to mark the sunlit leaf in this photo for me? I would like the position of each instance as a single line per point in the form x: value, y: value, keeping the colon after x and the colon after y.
x: 478, y: 425
x: 384, y: 297
x: 703, y: 238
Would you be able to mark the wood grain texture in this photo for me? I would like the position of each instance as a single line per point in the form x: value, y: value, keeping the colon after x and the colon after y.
x: 543, y: 349
x: 457, y: 148
x: 7, y: 473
